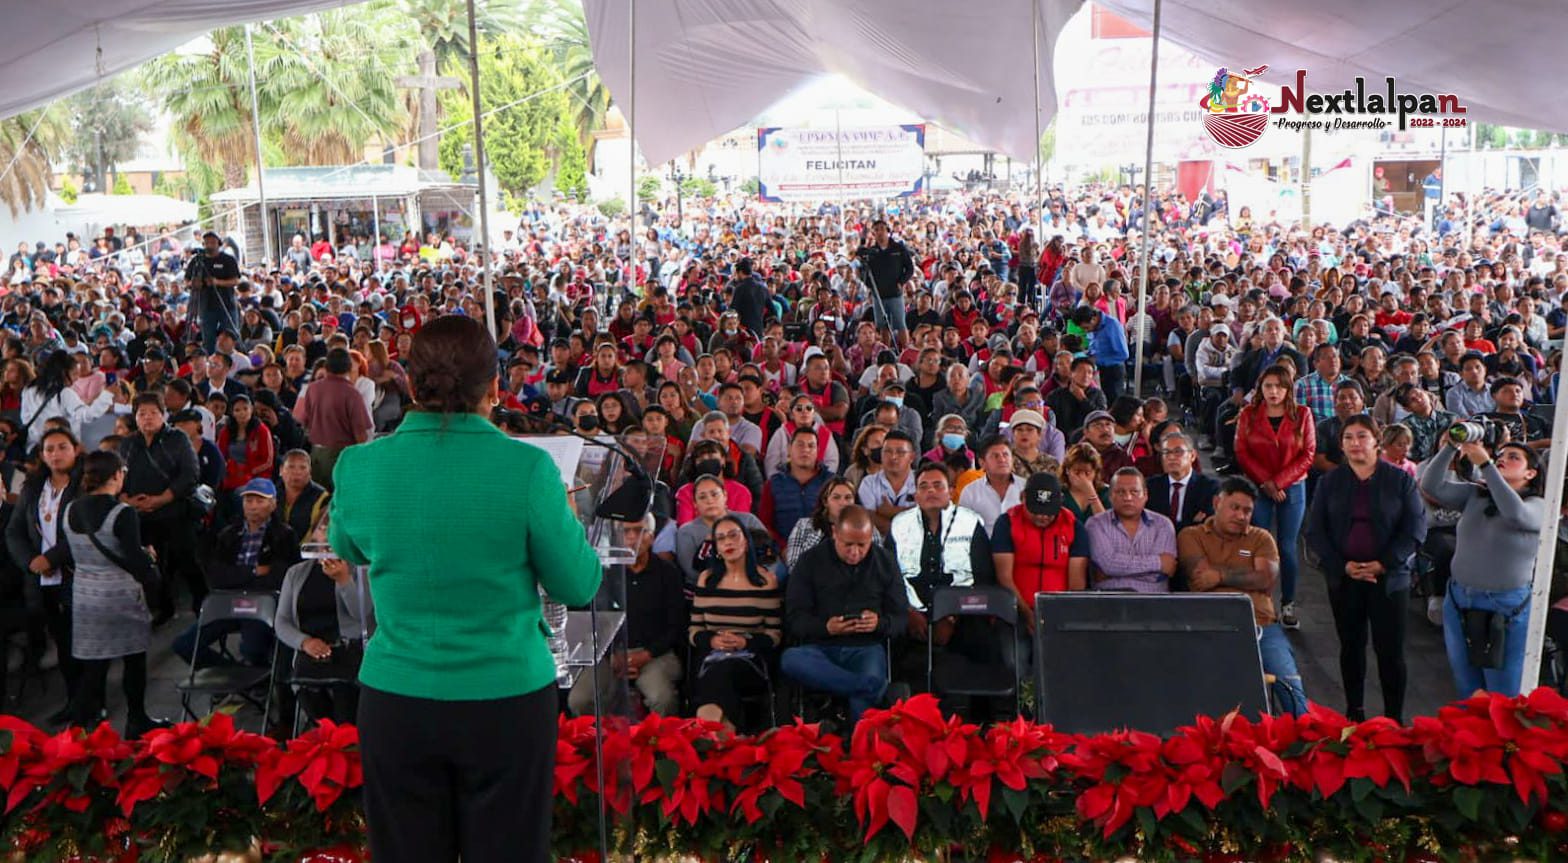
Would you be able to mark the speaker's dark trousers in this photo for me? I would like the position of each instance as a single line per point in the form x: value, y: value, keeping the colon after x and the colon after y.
x: 451, y: 779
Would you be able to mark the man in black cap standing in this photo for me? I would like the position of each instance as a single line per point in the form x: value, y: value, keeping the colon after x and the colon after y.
x: 212, y: 277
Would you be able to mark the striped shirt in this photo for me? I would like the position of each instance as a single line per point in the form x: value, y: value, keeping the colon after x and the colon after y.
x: 750, y: 611
x: 1130, y: 562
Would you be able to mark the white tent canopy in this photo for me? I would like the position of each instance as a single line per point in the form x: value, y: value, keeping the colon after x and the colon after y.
x: 57, y: 47
x: 705, y: 67
x: 133, y: 210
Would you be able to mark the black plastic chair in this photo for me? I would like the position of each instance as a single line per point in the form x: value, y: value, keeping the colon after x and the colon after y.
x: 237, y: 680
x: 950, y: 674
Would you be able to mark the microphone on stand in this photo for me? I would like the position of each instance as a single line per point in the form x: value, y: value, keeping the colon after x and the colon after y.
x: 630, y: 501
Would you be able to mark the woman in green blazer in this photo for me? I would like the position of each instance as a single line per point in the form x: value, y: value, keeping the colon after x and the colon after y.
x: 460, y: 526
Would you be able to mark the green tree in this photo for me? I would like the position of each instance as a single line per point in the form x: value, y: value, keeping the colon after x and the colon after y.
x: 29, y: 142
x: 439, y: 30
x: 107, y: 122
x: 68, y: 191
x: 208, y: 96
x: 752, y: 186
x: 522, y: 136
x: 648, y: 187
x: 561, y: 27
x: 612, y: 208
x: 699, y: 187
x: 329, y: 84
x: 571, y: 163
x: 122, y: 186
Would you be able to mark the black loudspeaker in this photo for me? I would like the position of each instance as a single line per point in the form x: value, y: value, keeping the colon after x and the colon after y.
x: 1112, y: 661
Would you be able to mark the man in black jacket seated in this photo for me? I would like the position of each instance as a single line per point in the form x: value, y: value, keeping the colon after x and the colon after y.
x: 844, y: 599
x: 655, y: 628
x: 251, y: 555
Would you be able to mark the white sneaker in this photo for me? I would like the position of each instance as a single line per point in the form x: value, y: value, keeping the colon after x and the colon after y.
x: 1434, y: 611
x: 1287, y: 616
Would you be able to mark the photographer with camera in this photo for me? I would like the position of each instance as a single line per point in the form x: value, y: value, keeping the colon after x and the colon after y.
x: 212, y: 276
x: 1487, y: 610
x: 887, y: 264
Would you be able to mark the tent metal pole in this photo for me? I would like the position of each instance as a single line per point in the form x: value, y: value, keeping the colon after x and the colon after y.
x: 255, y: 125
x: 631, y: 127
x: 1039, y: 161
x: 375, y: 226
x: 485, y: 259
x: 1535, y: 636
x: 1148, y: 204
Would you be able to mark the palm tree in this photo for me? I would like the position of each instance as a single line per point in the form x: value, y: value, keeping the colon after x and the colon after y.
x: 208, y: 96
x: 441, y: 28
x: 328, y: 84
x: 24, y: 160
x: 560, y: 25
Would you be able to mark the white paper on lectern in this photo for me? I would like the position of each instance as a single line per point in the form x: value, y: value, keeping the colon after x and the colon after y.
x: 564, y: 450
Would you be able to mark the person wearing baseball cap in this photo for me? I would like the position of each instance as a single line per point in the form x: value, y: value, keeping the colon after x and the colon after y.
x: 252, y: 553
x: 1032, y: 545
x: 1099, y: 431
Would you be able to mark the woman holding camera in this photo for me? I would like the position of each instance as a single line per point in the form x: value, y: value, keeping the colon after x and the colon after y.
x: 1487, y: 610
x: 1367, y: 522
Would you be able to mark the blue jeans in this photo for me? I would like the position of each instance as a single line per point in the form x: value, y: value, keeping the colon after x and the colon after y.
x: 1467, y: 677
x: 215, y: 315
x: 889, y: 313
x: 1280, y: 661
x: 255, y: 642
x: 857, y: 673
x: 1284, y: 521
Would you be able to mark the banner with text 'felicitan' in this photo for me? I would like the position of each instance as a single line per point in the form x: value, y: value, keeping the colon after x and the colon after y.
x: 813, y: 164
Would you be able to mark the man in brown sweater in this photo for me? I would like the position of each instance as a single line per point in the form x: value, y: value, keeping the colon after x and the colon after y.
x: 334, y: 416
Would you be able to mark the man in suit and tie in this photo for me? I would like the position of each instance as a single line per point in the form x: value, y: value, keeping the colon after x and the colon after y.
x: 1181, y: 494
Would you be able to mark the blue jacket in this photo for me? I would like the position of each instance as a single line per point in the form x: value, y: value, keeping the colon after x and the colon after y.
x: 1108, y: 342
x: 785, y: 500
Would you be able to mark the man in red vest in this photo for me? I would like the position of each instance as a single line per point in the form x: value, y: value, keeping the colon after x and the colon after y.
x: 1031, y: 545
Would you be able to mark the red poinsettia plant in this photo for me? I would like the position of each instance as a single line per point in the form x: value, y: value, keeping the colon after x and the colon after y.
x: 319, y: 772
x: 194, y: 785
x: 61, y: 791
x: 781, y: 782
x: 1483, y: 779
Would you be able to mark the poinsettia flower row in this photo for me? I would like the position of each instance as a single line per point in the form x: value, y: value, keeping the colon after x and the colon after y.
x: 1485, y: 775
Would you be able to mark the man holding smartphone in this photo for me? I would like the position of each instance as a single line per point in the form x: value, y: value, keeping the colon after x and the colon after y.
x: 843, y: 601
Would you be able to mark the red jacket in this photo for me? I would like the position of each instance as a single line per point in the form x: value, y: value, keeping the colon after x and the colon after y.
x: 258, y: 456
x: 1282, y: 457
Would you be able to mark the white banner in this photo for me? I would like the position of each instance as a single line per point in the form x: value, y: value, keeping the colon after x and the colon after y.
x: 813, y: 164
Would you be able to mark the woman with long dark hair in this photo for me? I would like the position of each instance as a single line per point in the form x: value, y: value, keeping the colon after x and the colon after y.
x: 50, y: 395
x: 1275, y: 442
x: 836, y: 494
x: 246, y: 444
x: 737, y: 623
x: 461, y: 527
x: 111, y: 578
x: 1367, y: 522
x: 34, y: 540
x: 1494, y: 560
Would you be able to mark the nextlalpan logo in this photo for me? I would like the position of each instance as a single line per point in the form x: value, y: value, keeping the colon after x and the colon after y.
x: 1238, y: 117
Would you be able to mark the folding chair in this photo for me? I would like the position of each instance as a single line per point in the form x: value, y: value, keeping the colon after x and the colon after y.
x: 958, y: 675
x: 341, y: 675
x: 798, y: 701
x: 224, y: 680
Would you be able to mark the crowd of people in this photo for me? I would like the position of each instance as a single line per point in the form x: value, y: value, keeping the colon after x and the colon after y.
x: 857, y: 407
